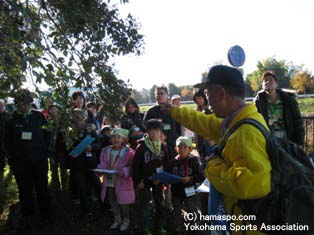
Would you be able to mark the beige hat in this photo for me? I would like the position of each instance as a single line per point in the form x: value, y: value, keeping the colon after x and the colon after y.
x: 185, y: 140
x: 120, y: 132
x: 175, y: 97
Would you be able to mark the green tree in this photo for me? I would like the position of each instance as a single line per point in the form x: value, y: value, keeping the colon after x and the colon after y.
x: 204, y: 75
x: 66, y: 44
x: 152, y: 97
x: 138, y: 97
x: 284, y: 72
x: 248, y: 90
x: 302, y: 81
x: 186, y: 94
x: 173, y: 89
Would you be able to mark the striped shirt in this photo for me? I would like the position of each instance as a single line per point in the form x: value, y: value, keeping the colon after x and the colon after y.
x: 276, y: 121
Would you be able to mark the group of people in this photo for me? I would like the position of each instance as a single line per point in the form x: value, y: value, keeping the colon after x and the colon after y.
x: 143, y: 145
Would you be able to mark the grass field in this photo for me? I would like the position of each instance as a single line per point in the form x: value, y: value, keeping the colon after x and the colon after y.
x: 306, y: 105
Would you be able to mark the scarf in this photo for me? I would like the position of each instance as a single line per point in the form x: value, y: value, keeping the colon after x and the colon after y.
x: 153, y: 146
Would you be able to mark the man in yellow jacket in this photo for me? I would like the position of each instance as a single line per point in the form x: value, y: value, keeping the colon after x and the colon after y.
x: 243, y: 171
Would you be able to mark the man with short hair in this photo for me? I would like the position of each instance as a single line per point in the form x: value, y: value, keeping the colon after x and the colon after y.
x: 26, y: 142
x: 280, y: 110
x: 243, y: 169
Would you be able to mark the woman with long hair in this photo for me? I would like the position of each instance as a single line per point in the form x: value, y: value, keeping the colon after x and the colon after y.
x: 132, y: 120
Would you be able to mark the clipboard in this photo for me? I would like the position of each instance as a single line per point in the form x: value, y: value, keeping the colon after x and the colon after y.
x: 165, y: 177
x: 81, y: 146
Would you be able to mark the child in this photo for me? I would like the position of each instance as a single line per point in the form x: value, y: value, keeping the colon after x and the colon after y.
x: 150, y: 157
x: 183, y: 193
x: 104, y: 136
x: 119, y: 186
x: 80, y: 175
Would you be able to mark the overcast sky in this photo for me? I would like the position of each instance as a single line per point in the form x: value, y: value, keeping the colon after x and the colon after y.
x: 183, y: 38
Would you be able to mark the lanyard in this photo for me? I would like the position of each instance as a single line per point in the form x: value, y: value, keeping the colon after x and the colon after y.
x: 114, y: 165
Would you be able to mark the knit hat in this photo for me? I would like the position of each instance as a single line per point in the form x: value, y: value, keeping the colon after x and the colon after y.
x: 120, y: 132
x: 184, y: 140
x: 175, y: 97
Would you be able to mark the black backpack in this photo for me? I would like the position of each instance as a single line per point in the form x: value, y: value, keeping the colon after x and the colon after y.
x: 291, y: 200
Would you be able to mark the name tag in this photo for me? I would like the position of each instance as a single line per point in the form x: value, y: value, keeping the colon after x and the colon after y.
x: 167, y: 127
x: 159, y: 169
x: 189, y: 191
x: 89, y: 154
x: 26, y: 135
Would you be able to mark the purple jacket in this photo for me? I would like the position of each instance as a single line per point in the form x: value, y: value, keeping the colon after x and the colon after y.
x: 123, y: 185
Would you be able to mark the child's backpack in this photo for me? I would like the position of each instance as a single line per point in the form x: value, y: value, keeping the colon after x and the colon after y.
x: 291, y: 200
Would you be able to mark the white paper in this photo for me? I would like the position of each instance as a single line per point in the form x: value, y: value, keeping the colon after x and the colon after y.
x: 104, y: 171
x: 204, y: 187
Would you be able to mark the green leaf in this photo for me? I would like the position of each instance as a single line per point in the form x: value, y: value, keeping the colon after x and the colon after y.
x: 50, y: 67
x: 61, y: 60
x: 60, y: 73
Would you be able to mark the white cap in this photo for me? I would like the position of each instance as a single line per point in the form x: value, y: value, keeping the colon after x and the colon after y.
x: 175, y: 97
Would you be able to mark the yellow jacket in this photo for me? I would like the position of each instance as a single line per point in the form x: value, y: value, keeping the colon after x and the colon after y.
x: 244, y: 170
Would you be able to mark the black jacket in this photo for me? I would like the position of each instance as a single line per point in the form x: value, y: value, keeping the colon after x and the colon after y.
x: 4, y: 117
x: 292, y: 116
x: 180, y: 167
x: 20, y: 149
x: 84, y: 161
x: 128, y: 120
x: 145, y: 163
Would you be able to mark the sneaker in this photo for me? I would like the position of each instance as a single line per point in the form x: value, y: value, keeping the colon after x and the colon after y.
x: 115, y: 225
x: 125, y: 225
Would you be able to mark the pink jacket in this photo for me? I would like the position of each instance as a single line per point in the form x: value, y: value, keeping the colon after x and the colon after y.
x: 123, y: 185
